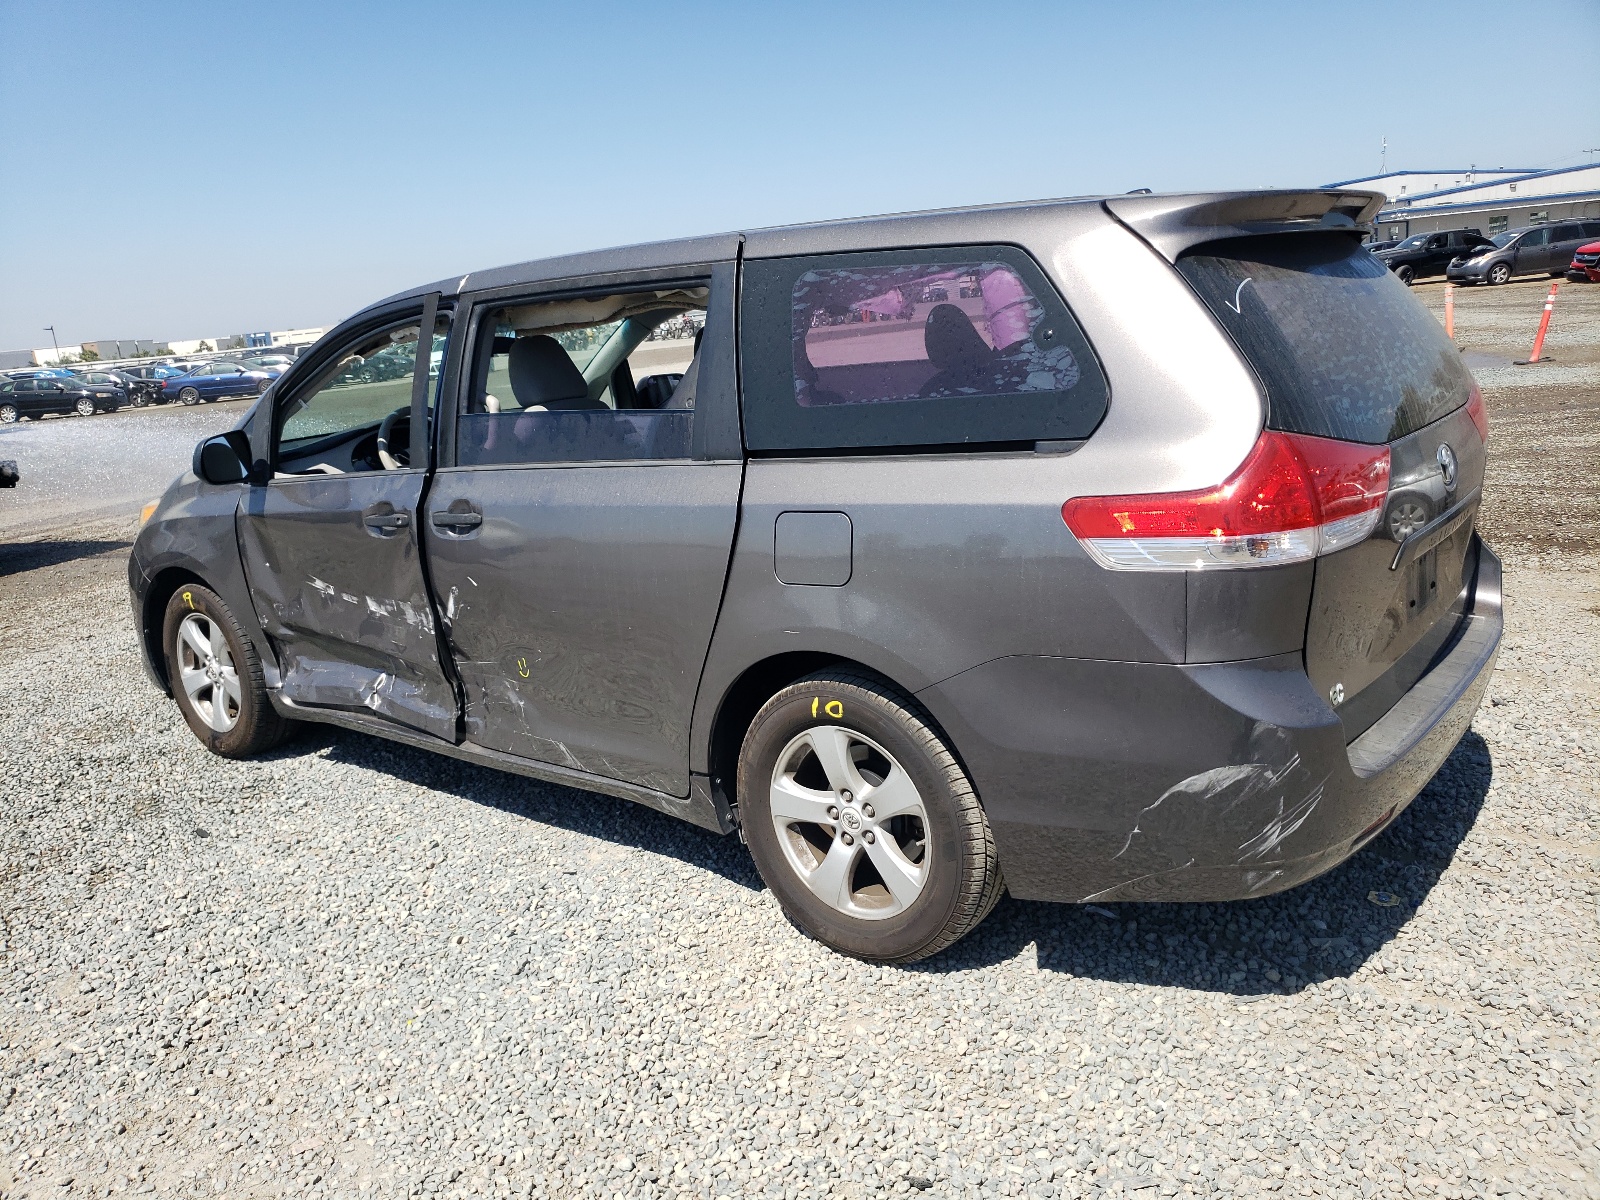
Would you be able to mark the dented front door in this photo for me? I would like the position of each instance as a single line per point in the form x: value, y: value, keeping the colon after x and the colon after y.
x: 336, y: 577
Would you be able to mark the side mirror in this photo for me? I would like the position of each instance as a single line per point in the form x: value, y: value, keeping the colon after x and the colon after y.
x: 223, y: 458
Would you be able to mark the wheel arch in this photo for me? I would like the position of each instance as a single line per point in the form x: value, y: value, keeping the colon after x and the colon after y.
x: 762, y: 680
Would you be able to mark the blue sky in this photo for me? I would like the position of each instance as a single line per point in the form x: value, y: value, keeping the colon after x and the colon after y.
x: 175, y: 169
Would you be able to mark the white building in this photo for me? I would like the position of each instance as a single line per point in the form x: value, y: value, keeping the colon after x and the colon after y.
x: 1489, y: 205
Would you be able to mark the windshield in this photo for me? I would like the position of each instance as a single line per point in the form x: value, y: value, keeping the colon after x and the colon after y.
x: 1502, y: 240
x: 1344, y: 349
x: 1413, y: 242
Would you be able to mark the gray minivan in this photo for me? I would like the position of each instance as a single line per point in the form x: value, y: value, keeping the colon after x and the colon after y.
x: 1536, y: 250
x: 1106, y: 549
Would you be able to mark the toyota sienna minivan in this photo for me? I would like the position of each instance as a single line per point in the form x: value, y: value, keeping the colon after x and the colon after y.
x: 1099, y: 550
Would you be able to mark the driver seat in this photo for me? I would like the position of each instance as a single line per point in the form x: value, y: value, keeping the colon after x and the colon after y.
x: 543, y: 376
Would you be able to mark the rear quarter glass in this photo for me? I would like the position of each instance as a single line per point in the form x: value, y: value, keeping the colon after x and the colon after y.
x: 945, y: 346
x: 1343, y: 347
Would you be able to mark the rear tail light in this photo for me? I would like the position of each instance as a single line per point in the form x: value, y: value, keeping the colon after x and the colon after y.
x: 1294, y: 497
x: 1476, y: 411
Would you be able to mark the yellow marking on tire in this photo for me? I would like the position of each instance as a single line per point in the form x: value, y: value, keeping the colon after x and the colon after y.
x: 188, y: 598
x: 814, y: 703
x: 834, y: 709
x: 522, y: 667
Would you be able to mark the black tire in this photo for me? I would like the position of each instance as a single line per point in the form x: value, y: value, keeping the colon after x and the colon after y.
x: 189, y: 396
x: 1498, y: 274
x: 962, y: 881
x: 85, y: 407
x: 257, y: 726
x: 9, y: 414
x: 263, y: 386
x: 1558, y: 274
x: 1405, y: 274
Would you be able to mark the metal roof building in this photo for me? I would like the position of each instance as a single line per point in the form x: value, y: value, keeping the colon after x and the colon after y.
x: 1488, y: 201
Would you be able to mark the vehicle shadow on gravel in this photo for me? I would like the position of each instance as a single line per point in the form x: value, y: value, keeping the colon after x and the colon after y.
x: 16, y: 557
x: 1323, y: 929
x: 618, y: 821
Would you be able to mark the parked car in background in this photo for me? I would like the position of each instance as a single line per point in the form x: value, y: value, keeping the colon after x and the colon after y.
x: 1426, y: 254
x: 268, y: 361
x: 147, y: 379
x: 1534, y: 250
x: 105, y: 381
x: 1374, y: 247
x: 40, y: 373
x: 39, y: 397
x: 1585, y: 264
x: 884, y: 582
x: 213, y: 381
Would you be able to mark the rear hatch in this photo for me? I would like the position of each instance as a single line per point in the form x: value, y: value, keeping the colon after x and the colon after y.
x: 1346, y: 352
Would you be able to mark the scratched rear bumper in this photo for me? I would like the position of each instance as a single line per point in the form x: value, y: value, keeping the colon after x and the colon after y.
x: 1145, y: 781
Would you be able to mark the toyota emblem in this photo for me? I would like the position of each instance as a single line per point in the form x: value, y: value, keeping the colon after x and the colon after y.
x: 1447, y: 465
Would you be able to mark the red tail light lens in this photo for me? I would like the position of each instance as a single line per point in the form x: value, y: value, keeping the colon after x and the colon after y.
x: 1294, y: 497
x: 1479, y: 415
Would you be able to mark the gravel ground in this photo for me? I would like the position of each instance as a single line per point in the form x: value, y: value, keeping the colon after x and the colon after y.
x: 78, y: 468
x: 350, y: 969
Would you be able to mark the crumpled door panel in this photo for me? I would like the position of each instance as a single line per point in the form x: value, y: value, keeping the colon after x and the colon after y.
x: 344, y: 602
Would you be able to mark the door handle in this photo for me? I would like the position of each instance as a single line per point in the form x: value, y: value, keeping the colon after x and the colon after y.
x: 446, y: 519
x: 390, y: 520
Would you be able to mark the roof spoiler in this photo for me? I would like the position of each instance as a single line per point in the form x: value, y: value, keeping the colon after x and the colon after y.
x: 1173, y: 224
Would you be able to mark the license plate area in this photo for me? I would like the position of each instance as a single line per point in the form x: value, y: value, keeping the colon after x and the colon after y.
x: 1422, y: 584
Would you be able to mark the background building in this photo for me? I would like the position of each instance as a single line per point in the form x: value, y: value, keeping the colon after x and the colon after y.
x: 1489, y: 202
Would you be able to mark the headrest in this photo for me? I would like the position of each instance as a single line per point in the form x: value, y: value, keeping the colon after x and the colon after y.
x: 543, y: 373
x: 951, y: 340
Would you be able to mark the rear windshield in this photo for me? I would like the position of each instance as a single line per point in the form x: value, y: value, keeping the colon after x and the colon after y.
x: 1344, y: 349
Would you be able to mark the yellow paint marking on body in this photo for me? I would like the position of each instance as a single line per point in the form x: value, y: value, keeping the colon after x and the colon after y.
x: 522, y: 667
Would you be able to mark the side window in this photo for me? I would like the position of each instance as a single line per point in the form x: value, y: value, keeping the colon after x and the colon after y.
x: 590, y: 379
x: 1565, y: 233
x: 936, y: 347
x: 368, y: 381
x: 1536, y: 237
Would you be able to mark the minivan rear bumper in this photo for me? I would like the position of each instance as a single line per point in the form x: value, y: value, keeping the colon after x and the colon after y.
x: 1166, y: 782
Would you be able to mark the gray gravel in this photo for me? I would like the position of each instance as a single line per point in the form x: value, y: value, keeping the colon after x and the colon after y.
x: 351, y: 969
x: 84, y: 467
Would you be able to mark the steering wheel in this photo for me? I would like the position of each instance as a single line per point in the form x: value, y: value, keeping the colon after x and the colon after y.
x: 401, y: 455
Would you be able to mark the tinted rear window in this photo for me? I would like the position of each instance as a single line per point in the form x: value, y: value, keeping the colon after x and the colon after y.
x: 1344, y: 349
x: 935, y: 347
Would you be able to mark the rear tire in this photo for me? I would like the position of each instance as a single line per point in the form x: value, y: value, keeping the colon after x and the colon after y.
x: 189, y: 395
x: 263, y: 386
x: 1499, y: 273
x: 215, y: 676
x: 892, y: 882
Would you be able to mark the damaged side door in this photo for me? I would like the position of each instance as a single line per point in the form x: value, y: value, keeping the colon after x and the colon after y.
x: 331, y: 541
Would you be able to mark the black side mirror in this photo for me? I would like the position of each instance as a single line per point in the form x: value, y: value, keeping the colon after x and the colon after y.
x: 223, y: 459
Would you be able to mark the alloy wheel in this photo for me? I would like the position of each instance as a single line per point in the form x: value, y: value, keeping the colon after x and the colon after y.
x: 189, y: 395
x: 1405, y: 518
x: 851, y: 822
x: 8, y: 414
x: 207, y: 673
x: 85, y: 407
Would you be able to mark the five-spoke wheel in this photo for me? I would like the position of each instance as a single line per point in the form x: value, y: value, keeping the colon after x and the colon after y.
x: 215, y: 675
x: 206, y: 671
x: 850, y: 822
x: 861, y: 820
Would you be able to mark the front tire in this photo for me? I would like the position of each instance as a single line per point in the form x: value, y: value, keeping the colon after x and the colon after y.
x: 84, y: 407
x: 189, y: 396
x: 862, y: 822
x: 1405, y: 275
x: 9, y: 414
x: 1499, y: 273
x: 216, y: 677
